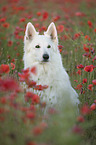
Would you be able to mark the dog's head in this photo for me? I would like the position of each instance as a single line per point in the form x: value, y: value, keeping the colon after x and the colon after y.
x: 41, y: 47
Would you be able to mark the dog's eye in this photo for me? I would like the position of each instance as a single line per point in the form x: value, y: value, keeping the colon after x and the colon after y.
x: 48, y: 46
x: 37, y: 46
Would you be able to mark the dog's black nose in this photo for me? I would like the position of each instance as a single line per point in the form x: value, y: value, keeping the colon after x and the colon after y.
x: 45, y: 57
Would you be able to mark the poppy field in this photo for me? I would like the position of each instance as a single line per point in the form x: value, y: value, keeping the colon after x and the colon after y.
x: 22, y: 121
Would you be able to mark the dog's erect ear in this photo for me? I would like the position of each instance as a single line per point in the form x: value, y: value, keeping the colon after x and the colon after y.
x: 30, y: 31
x: 52, y: 32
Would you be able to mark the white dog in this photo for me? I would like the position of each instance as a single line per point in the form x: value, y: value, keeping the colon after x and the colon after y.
x: 42, y: 51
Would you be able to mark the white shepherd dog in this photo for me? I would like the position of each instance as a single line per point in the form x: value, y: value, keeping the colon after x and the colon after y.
x: 42, y: 51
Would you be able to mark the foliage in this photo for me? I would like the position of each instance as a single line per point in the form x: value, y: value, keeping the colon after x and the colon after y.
x: 22, y: 121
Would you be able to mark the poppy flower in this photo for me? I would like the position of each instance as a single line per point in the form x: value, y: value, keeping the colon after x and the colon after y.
x: 4, y: 68
x: 93, y: 106
x: 77, y: 35
x: 2, y: 19
x: 37, y: 130
x: 9, y: 84
x: 38, y: 13
x: 86, y: 49
x: 31, y: 143
x: 22, y: 20
x: 3, y: 100
x: 56, y: 18
x: 80, y: 66
x: 45, y: 15
x: 10, y: 43
x: 84, y: 80
x: 35, y: 99
x: 79, y: 87
x: 95, y: 30
x: 79, y: 72
x: 12, y: 66
x: 94, y: 58
x: 60, y: 28
x: 90, y: 24
x: 90, y: 87
x: 60, y: 48
x: 80, y: 118
x: 77, y: 129
x: 40, y: 87
x: 30, y: 115
x: 29, y: 95
x: 31, y: 83
x: 24, y: 75
x: 85, y: 109
x: 6, y: 25
x: 33, y: 70
x: 94, y: 82
x: 88, y: 68
x: 87, y: 37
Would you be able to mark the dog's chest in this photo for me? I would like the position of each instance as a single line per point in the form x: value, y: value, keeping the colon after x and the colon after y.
x: 49, y: 77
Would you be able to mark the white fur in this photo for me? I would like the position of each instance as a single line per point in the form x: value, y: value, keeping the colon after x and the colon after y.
x: 51, y: 73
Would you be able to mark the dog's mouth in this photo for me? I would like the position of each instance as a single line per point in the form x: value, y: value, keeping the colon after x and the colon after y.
x: 44, y: 61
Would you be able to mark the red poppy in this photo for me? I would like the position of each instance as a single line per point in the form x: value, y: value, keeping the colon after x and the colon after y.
x: 2, y: 19
x: 33, y: 70
x: 37, y: 130
x: 60, y: 28
x: 6, y: 25
x: 80, y: 66
x: 87, y: 55
x: 84, y: 80
x: 88, y: 68
x: 93, y: 106
x: 22, y: 20
x: 79, y: 72
x: 94, y: 58
x: 4, y: 68
x: 10, y: 43
x: 45, y: 15
x: 12, y: 66
x: 29, y: 95
x: 79, y: 87
x: 79, y: 14
x: 95, y: 30
x: 35, y: 99
x: 77, y: 129
x: 40, y: 87
x: 94, y: 82
x: 8, y: 84
x: 30, y: 115
x: 31, y: 143
x: 77, y: 35
x: 3, y: 100
x: 86, y: 49
x: 25, y: 75
x: 85, y: 109
x: 60, y: 48
x: 31, y: 83
x: 87, y: 37
x: 90, y: 87
x: 56, y: 18
x: 90, y: 24
x: 38, y: 13
x: 80, y: 118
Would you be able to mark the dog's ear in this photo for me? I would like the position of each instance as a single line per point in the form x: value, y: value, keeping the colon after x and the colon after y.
x: 52, y: 32
x: 30, y: 31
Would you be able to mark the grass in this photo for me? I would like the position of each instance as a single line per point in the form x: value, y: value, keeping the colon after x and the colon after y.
x: 76, y: 25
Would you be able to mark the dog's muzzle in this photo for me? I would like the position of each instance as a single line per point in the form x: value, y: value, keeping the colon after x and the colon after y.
x: 45, y: 57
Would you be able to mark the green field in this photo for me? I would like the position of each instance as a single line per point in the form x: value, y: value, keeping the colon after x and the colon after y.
x: 23, y: 124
